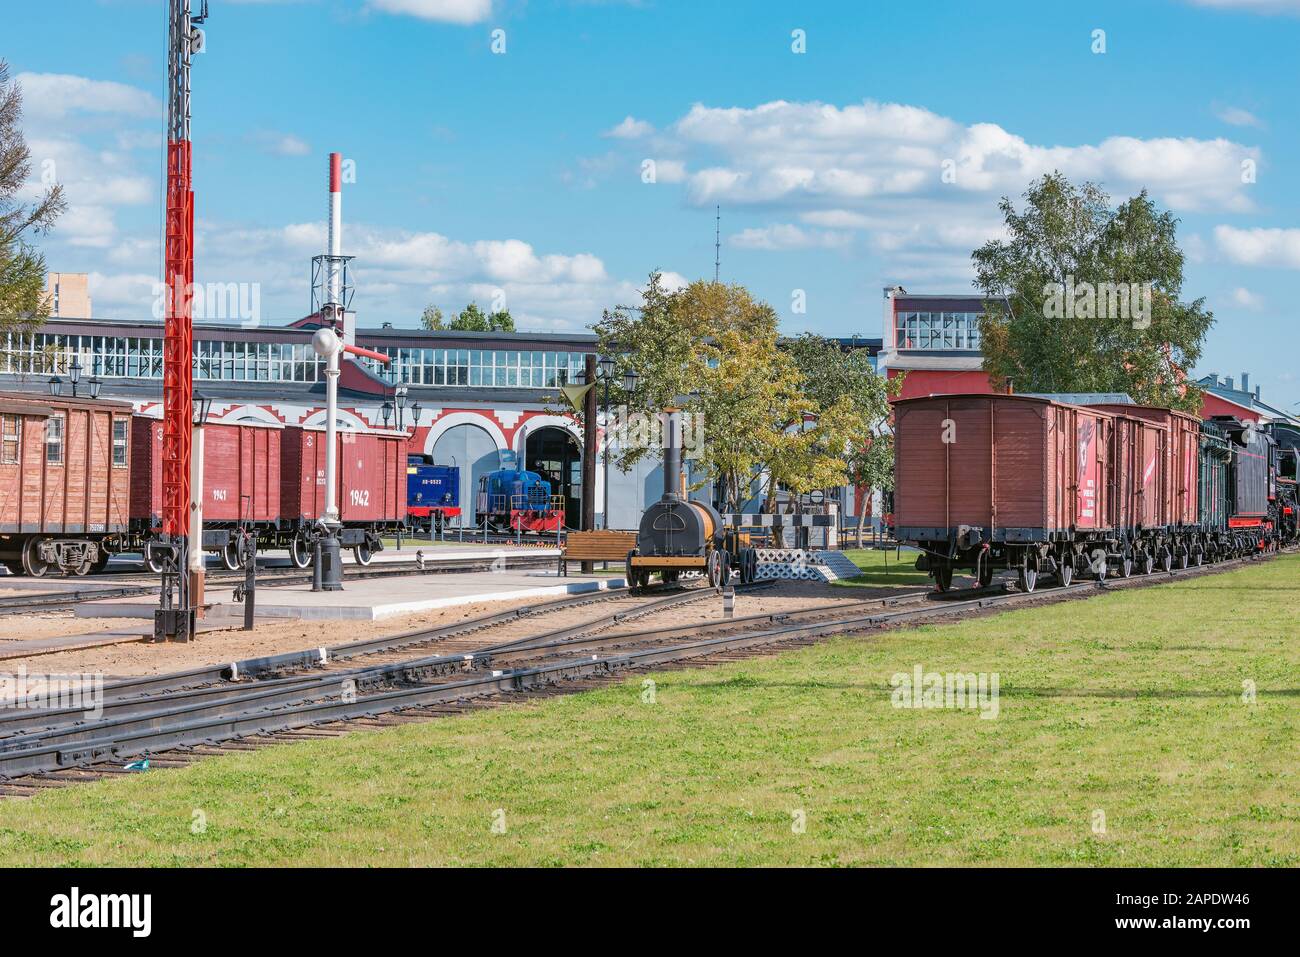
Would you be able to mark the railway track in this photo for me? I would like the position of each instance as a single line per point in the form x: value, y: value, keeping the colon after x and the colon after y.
x: 182, y: 717
x: 266, y: 578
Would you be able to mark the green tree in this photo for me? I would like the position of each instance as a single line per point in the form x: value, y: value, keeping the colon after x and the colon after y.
x: 718, y: 349
x: 431, y: 318
x: 23, y: 302
x: 857, y: 399
x: 474, y: 319
x: 1069, y: 244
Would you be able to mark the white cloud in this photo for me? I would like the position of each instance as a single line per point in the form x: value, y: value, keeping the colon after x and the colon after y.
x: 279, y: 144
x: 787, y: 236
x: 1236, y: 116
x: 670, y: 281
x: 445, y: 11
x: 1259, y: 246
x: 1247, y: 299
x: 836, y: 219
x: 55, y: 95
x: 630, y: 129
x: 670, y: 171
x: 811, y: 154
x: 87, y: 226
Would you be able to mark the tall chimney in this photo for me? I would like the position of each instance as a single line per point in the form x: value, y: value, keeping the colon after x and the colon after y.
x: 672, y: 454
x: 1245, y: 382
x: 335, y: 250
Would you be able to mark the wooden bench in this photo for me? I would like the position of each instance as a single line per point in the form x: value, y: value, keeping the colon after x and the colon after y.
x: 598, y: 546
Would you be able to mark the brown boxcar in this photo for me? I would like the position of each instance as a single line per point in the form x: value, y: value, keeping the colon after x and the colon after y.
x: 241, y: 473
x: 371, y: 483
x: 65, y: 466
x: 1181, y: 445
x: 987, y: 479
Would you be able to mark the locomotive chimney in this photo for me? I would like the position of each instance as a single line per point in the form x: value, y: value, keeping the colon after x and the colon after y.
x: 672, y: 454
x: 334, y: 240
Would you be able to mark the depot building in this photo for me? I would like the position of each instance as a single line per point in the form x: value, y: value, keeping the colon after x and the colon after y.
x: 465, y: 397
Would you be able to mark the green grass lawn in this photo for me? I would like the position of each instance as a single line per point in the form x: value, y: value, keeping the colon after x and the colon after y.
x: 1128, y: 706
x: 884, y: 567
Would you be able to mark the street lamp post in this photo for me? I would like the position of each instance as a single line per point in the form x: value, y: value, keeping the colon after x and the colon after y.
x: 329, y: 559
x: 606, y: 365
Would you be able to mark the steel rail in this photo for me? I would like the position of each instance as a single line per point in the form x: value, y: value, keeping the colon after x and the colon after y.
x: 80, y: 746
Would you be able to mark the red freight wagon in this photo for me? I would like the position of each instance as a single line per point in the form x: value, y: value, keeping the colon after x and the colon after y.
x: 241, y: 482
x: 371, y: 485
x: 1018, y: 481
x: 64, y: 482
x: 1182, y: 442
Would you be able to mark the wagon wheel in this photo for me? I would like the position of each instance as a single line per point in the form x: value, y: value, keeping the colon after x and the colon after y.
x: 230, y: 555
x: 153, y: 560
x: 1125, y: 564
x: 299, y: 553
x: 1183, y: 560
x: 1198, y: 556
x: 1147, y: 563
x: 363, y: 554
x: 101, y: 562
x: 1065, y: 570
x: 712, y: 569
x: 724, y: 569
x: 1166, y: 560
x: 984, y: 568
x: 943, y: 575
x: 1028, y: 572
x: 84, y: 567
x: 32, y: 563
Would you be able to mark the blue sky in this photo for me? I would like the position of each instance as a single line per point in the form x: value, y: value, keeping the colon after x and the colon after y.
x: 520, y: 173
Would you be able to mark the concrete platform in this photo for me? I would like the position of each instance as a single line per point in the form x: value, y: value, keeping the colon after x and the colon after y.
x: 373, y: 599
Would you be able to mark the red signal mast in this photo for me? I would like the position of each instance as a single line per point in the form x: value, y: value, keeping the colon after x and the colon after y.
x: 176, y: 615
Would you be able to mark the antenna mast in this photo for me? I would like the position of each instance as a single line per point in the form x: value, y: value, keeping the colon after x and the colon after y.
x: 717, y: 242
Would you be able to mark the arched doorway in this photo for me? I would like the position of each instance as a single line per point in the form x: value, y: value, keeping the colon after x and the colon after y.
x: 474, y: 451
x: 554, y: 454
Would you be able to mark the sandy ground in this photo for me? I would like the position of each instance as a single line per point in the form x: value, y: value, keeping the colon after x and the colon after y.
x: 275, y: 637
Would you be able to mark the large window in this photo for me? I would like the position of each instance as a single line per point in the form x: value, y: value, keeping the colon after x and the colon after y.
x: 11, y: 439
x: 499, y: 368
x: 239, y: 361
x: 54, y: 440
x: 119, y: 443
x: 958, y: 331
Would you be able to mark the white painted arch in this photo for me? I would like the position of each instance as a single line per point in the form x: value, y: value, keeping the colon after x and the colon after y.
x: 536, y: 422
x: 248, y: 413
x: 345, y: 419
x: 452, y: 419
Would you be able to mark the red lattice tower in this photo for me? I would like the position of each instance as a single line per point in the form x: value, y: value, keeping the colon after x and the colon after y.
x: 178, y: 273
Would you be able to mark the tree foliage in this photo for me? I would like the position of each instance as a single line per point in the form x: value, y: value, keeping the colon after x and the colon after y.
x: 800, y: 417
x: 469, y: 319
x: 474, y: 319
x: 1069, y: 234
x: 431, y: 318
x: 22, y: 267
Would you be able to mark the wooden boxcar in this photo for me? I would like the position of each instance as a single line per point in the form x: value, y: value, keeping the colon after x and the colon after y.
x: 65, y: 466
x: 241, y: 482
x: 1017, y: 481
x: 371, y: 484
